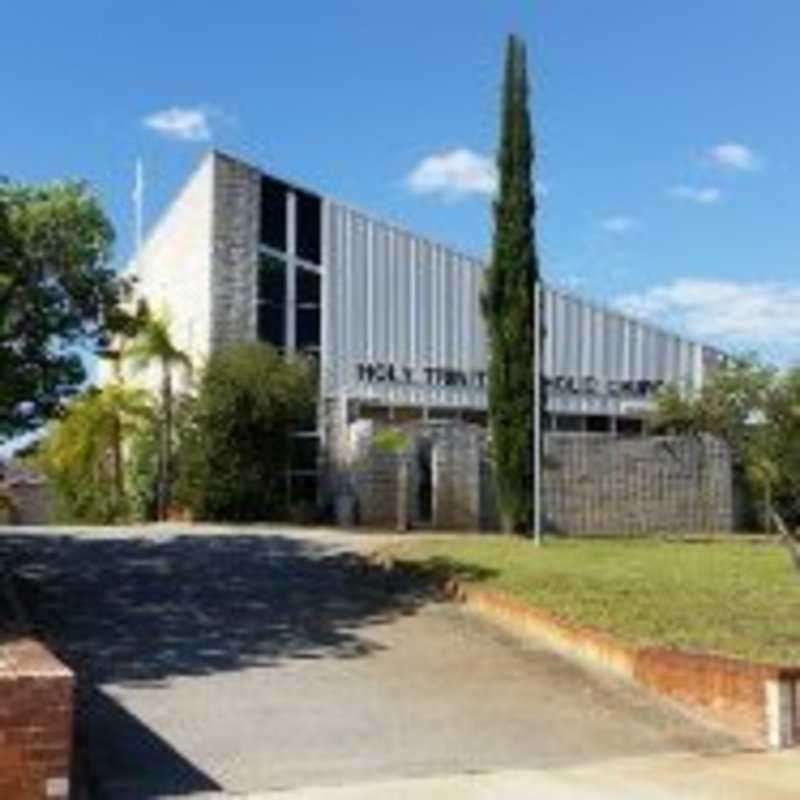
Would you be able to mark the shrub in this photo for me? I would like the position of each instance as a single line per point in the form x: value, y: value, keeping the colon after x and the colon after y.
x: 233, y: 454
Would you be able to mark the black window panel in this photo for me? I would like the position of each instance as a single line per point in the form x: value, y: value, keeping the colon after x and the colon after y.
x: 309, y: 227
x: 272, y: 324
x: 569, y: 423
x: 598, y: 424
x: 272, y: 280
x: 475, y: 418
x: 629, y: 427
x: 308, y: 287
x: 304, y: 453
x: 308, y: 327
x: 273, y: 213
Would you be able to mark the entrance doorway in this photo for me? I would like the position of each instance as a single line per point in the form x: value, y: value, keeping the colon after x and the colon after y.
x: 425, y: 486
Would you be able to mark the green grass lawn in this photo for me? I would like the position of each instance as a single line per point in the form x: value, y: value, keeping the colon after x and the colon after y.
x: 732, y: 598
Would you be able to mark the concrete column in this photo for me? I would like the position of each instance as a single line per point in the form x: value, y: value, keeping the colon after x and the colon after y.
x: 780, y: 707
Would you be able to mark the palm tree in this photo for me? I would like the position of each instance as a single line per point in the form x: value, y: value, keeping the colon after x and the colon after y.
x: 121, y: 411
x: 83, y: 451
x: 153, y: 344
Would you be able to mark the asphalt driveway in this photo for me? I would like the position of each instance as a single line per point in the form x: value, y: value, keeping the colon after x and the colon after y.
x: 248, y: 660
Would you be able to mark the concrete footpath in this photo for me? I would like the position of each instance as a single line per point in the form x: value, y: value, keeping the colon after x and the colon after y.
x: 736, y: 776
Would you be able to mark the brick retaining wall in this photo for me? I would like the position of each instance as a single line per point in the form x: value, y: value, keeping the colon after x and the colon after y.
x: 36, y: 713
x: 756, y: 702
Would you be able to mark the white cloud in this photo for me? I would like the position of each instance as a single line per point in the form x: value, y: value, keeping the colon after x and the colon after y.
x: 186, y: 124
x: 458, y: 173
x: 454, y: 174
x: 734, y: 155
x: 759, y: 313
x: 706, y: 196
x: 618, y: 224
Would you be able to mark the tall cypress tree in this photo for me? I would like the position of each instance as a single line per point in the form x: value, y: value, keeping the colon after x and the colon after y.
x: 508, y: 303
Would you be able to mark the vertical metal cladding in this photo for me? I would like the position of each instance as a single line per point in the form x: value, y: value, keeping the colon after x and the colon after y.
x: 599, y: 361
x: 401, y: 315
x: 404, y: 328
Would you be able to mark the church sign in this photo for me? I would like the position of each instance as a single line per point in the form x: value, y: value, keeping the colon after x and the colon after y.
x: 445, y: 377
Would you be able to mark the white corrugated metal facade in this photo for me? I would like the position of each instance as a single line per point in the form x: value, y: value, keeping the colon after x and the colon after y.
x: 401, y: 323
x: 402, y: 326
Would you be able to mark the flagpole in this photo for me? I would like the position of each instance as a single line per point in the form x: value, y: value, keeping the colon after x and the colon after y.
x: 138, y: 201
x: 537, y: 415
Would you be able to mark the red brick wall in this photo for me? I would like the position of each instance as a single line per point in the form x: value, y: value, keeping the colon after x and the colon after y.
x: 725, y: 691
x: 36, y: 707
x: 732, y: 692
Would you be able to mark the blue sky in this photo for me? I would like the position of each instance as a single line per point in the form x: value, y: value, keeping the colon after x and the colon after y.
x: 666, y: 132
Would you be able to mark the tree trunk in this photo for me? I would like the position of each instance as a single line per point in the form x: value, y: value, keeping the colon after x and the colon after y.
x: 116, y: 445
x: 767, y: 508
x: 165, y: 472
x: 789, y: 541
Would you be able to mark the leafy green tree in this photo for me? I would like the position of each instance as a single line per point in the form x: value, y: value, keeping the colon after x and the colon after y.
x: 508, y: 303
x: 235, y: 446
x: 774, y: 459
x: 83, y: 452
x: 732, y: 397
x: 141, y: 469
x: 58, y: 297
x: 153, y: 344
x: 737, y: 404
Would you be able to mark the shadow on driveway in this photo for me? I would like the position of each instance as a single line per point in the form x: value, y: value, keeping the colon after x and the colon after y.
x: 137, y: 611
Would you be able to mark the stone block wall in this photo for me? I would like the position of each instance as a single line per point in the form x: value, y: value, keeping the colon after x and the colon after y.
x: 377, y: 478
x: 357, y: 466
x: 33, y: 503
x: 605, y: 484
x: 36, y: 713
x: 456, y: 460
x: 592, y: 483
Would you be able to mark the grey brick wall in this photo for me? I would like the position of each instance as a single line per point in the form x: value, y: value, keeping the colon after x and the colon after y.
x: 237, y: 195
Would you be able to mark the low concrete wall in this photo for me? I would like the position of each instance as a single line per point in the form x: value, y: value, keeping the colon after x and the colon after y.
x: 756, y: 702
x: 36, y: 715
